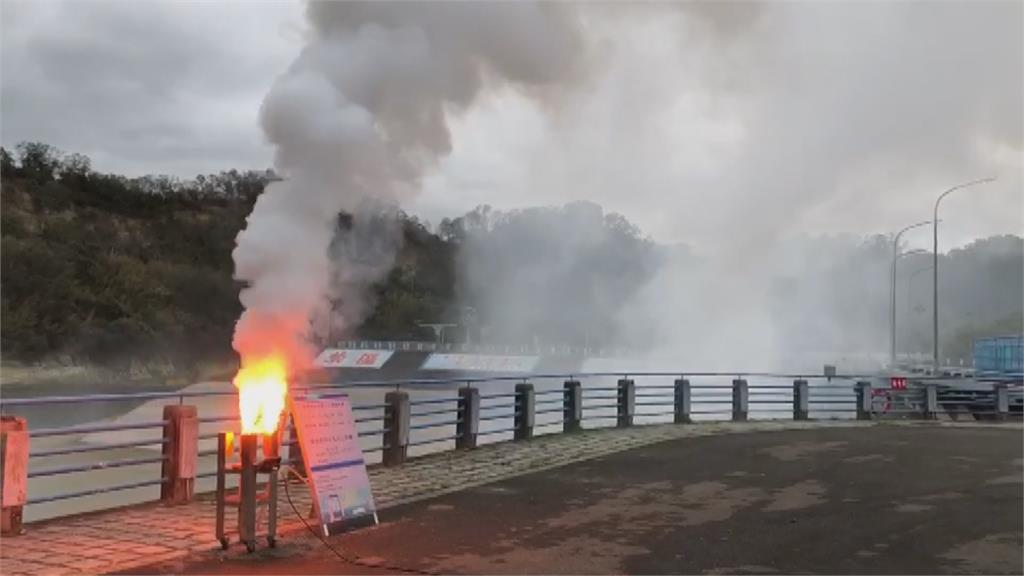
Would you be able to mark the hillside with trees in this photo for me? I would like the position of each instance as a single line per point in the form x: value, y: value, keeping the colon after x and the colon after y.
x: 125, y: 272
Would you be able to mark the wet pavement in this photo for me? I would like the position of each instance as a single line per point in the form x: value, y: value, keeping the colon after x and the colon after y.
x: 891, y: 498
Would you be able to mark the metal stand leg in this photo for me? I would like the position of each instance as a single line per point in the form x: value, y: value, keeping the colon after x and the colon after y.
x: 272, y: 510
x: 247, y: 493
x: 221, y: 480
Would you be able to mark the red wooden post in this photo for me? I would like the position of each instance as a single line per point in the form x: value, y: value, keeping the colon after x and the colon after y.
x: 13, y: 472
x: 181, y: 448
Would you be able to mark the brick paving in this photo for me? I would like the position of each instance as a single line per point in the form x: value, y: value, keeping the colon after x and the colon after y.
x: 127, y: 538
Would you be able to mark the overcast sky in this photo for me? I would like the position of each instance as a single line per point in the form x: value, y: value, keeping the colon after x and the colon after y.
x: 702, y: 123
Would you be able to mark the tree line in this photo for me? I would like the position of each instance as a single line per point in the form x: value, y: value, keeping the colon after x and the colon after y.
x: 101, y: 268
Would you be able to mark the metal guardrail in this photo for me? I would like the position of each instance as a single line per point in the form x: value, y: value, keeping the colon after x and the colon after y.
x: 432, y: 421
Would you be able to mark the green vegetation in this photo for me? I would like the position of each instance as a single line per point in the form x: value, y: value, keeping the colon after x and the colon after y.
x: 99, y: 269
x: 103, y: 269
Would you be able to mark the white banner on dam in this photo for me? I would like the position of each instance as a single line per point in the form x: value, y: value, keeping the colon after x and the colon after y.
x: 346, y: 358
x: 480, y: 363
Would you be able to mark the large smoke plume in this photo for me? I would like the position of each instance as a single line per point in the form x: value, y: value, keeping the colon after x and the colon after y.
x: 356, y: 121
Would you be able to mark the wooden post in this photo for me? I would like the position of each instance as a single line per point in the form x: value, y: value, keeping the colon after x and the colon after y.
x: 863, y: 395
x: 801, y: 400
x: 468, y: 424
x: 626, y: 403
x: 682, y: 401
x: 13, y: 472
x: 396, y: 420
x: 573, y: 406
x: 180, y: 450
x: 525, y: 409
x: 740, y: 399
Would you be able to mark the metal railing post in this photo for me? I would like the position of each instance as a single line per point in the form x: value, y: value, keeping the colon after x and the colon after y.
x: 931, y: 402
x: 740, y: 399
x: 573, y: 407
x: 801, y: 400
x: 525, y: 411
x: 625, y: 403
x: 1002, y: 401
x: 682, y: 401
x: 295, y: 459
x: 13, y: 473
x: 396, y: 422
x: 180, y: 452
x: 863, y: 394
x: 468, y: 421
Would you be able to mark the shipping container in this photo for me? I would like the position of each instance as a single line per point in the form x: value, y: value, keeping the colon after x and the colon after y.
x: 999, y: 355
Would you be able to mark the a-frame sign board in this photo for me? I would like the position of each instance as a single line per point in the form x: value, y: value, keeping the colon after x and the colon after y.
x: 334, y: 462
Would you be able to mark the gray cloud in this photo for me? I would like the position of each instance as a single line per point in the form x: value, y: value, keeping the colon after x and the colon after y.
x: 168, y: 87
x: 707, y: 119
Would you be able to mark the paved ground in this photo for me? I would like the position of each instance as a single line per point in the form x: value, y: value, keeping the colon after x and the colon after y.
x: 884, y: 499
x: 127, y: 539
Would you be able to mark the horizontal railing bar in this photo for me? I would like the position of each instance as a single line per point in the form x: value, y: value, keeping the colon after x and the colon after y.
x: 667, y: 401
x: 499, y: 395
x: 369, y: 419
x: 94, y: 491
x: 434, y: 401
x: 600, y: 396
x: 433, y: 413
x: 550, y: 411
x: 94, y: 466
x: 659, y: 413
x: 499, y: 431
x: 362, y: 433
x: 318, y: 387
x: 98, y: 448
x: 116, y: 397
x: 218, y: 419
x: 497, y: 416
x: 44, y: 432
x: 506, y: 405
x: 597, y: 406
x: 434, y: 440
x: 435, y: 424
x: 555, y: 401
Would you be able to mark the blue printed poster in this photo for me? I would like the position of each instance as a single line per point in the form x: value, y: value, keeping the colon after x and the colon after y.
x: 334, y: 462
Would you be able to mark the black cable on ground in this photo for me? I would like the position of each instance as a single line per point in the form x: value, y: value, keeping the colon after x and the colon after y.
x: 353, y: 560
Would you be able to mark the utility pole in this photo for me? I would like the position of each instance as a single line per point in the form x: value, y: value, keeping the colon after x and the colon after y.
x: 892, y: 290
x: 935, y: 268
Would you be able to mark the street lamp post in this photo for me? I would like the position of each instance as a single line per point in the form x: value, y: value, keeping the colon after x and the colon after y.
x: 910, y: 284
x: 892, y: 291
x: 935, y: 268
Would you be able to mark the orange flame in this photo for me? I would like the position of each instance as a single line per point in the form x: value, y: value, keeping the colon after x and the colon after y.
x: 262, y: 385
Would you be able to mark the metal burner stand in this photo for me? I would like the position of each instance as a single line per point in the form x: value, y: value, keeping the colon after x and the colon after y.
x: 248, y: 496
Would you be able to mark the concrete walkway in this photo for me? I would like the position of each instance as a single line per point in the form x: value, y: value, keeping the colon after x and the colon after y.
x: 668, y: 507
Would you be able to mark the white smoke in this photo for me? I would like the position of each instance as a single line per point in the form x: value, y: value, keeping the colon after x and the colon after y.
x: 356, y: 122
